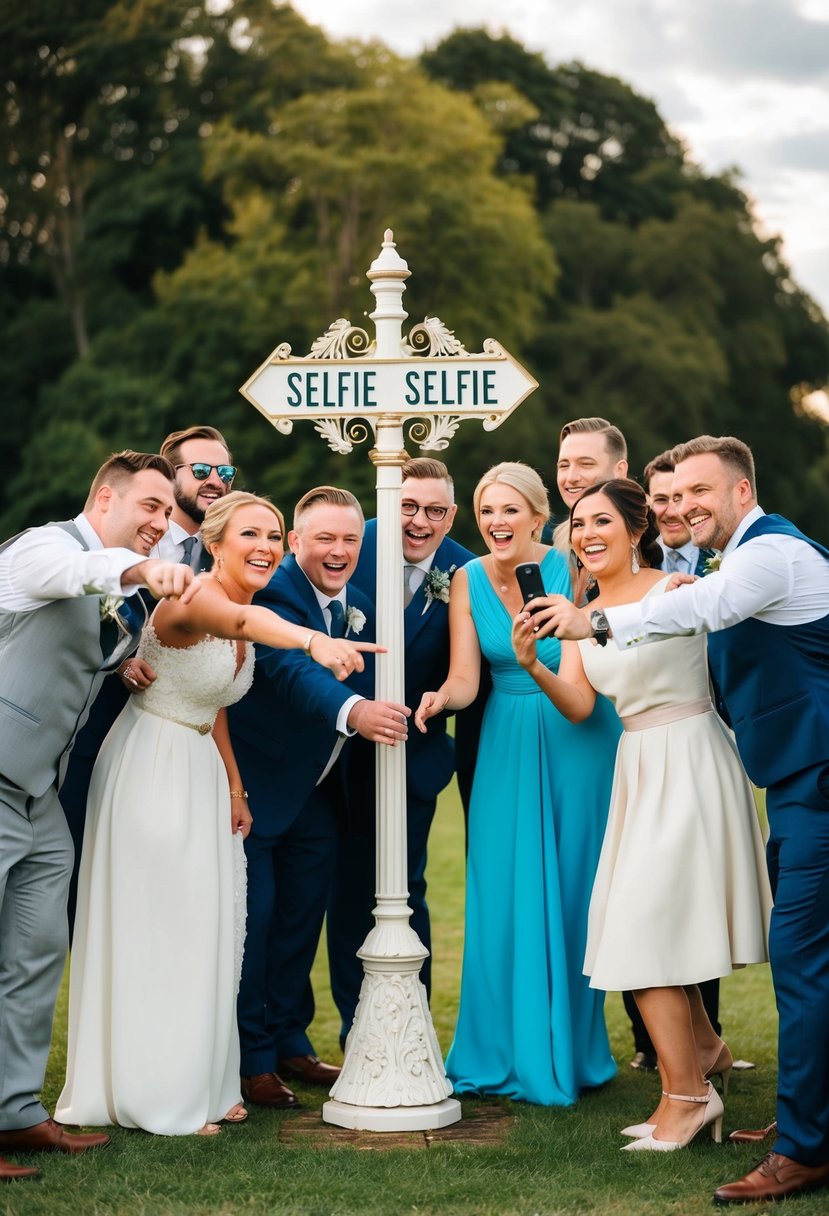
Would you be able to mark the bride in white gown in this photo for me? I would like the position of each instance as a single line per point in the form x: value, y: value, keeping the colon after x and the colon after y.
x: 153, y: 1042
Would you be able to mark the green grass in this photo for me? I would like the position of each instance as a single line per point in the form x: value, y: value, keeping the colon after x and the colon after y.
x: 553, y: 1161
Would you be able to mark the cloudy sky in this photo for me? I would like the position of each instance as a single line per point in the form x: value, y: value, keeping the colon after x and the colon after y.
x: 743, y: 82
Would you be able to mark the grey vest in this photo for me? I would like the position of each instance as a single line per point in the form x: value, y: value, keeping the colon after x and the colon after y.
x: 50, y: 672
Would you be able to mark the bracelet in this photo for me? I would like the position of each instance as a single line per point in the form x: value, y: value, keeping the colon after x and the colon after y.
x: 238, y: 793
x: 306, y: 645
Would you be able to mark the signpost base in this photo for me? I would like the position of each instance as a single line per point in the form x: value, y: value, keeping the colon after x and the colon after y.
x: 392, y: 1118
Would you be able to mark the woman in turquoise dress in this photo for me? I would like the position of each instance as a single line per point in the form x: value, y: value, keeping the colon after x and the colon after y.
x: 529, y: 1026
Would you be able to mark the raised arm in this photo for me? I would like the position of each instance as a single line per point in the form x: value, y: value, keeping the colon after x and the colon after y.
x: 570, y: 691
x: 460, y: 687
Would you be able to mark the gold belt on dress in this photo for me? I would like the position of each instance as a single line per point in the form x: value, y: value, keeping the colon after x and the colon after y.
x: 668, y: 713
x: 203, y: 728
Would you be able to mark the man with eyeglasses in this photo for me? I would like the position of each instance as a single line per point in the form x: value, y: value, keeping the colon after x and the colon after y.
x: 203, y: 472
x: 430, y: 559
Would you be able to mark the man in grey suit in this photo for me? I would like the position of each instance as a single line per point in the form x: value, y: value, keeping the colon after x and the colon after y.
x: 64, y: 591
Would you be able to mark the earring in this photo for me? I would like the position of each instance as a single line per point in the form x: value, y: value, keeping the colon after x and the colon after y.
x: 634, y: 559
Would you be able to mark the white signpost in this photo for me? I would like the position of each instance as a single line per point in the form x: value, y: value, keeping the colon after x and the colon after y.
x: 393, y: 1078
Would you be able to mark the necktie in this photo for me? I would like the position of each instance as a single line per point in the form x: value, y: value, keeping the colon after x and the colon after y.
x: 676, y: 561
x: 337, y: 619
x: 188, y: 545
x: 408, y: 589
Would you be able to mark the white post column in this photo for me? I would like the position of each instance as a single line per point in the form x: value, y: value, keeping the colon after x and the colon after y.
x: 393, y: 1076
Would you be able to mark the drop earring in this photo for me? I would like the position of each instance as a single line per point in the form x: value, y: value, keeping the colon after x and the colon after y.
x: 634, y: 560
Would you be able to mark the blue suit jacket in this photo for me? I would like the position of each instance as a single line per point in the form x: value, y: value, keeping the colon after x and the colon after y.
x: 430, y: 758
x: 284, y: 730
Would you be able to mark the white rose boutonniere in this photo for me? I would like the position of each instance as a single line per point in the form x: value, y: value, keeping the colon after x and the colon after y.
x: 108, y: 608
x: 354, y: 621
x: 436, y: 585
x: 712, y: 564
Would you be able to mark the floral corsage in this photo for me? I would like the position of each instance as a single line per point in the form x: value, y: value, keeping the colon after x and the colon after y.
x: 108, y: 607
x: 436, y: 585
x: 712, y: 564
x: 354, y: 621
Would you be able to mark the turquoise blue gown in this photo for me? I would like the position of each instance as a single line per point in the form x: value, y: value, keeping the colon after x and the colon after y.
x: 529, y: 1026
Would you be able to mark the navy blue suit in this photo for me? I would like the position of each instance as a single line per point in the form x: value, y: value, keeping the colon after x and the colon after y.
x: 283, y: 733
x: 774, y: 680
x: 430, y: 763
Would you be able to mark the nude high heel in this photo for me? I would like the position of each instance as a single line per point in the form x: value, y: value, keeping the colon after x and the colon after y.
x: 721, y: 1067
x: 637, y: 1131
x: 712, y: 1116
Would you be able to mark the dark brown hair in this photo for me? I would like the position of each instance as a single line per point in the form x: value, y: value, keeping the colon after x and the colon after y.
x: 631, y: 502
x: 732, y: 452
x: 171, y: 447
x: 121, y: 466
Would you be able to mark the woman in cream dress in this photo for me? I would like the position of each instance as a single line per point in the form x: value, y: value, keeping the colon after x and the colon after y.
x: 681, y: 892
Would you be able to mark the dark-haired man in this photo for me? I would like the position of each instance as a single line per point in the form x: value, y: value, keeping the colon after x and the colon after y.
x: 62, y: 625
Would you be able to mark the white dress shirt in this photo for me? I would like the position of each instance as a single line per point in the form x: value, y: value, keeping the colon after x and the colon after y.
x: 170, y: 547
x: 776, y: 578
x: 49, y: 564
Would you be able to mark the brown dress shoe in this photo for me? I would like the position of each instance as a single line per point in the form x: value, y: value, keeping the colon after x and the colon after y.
x: 774, y: 1178
x: 753, y: 1135
x: 267, y: 1089
x: 50, y: 1137
x: 13, y: 1173
x: 310, y: 1069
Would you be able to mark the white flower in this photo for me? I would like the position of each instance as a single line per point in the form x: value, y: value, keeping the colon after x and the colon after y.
x: 354, y: 621
x: 108, y: 608
x: 436, y: 584
x: 712, y: 564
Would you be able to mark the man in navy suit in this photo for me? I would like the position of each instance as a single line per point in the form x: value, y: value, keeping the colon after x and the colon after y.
x: 765, y: 611
x: 287, y: 735
x: 430, y: 559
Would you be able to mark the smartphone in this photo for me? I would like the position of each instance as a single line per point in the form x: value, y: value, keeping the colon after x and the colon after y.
x: 530, y: 582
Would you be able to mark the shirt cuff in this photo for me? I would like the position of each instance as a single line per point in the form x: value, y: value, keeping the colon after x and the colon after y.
x: 627, y: 627
x: 342, y: 717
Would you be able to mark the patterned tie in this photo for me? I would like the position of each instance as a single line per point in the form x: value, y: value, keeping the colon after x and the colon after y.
x: 408, y: 589
x: 337, y: 619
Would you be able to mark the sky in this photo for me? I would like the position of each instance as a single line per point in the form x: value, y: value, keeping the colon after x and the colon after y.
x: 744, y: 83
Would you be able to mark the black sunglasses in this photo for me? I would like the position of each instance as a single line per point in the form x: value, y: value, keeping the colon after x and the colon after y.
x: 201, y: 472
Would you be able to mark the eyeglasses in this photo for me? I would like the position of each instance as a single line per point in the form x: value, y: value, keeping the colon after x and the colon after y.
x: 436, y: 514
x: 201, y: 472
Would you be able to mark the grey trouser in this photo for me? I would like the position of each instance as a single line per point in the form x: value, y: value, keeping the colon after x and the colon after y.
x: 35, y: 866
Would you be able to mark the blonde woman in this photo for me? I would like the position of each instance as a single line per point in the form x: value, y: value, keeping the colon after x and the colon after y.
x: 528, y: 1026
x: 152, y: 1003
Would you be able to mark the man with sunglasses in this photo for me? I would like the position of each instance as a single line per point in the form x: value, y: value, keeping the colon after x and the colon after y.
x: 204, y: 472
x: 430, y: 559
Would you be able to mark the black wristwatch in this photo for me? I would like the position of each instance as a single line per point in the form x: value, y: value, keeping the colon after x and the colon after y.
x: 600, y: 626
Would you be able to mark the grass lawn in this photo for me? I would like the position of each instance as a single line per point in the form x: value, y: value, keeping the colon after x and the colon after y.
x: 551, y: 1161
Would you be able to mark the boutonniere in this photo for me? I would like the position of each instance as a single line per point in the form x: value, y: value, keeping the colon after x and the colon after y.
x: 712, y: 564
x: 354, y: 621
x: 436, y: 584
x: 108, y: 607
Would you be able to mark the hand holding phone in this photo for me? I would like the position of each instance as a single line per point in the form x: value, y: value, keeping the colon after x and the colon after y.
x: 530, y: 582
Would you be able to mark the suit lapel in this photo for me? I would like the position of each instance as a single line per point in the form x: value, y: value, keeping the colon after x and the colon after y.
x: 305, y: 591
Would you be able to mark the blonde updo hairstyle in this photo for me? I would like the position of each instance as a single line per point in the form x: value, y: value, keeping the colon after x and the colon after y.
x: 520, y: 477
x: 219, y: 514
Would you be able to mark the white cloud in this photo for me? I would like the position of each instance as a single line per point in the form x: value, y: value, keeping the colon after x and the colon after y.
x: 743, y: 82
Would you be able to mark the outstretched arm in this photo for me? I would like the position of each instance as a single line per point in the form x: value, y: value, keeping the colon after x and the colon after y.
x: 460, y: 687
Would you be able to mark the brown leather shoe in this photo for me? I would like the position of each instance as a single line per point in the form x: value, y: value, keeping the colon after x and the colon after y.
x: 267, y: 1089
x: 774, y: 1178
x: 14, y: 1173
x: 50, y: 1137
x: 753, y: 1135
x: 310, y: 1069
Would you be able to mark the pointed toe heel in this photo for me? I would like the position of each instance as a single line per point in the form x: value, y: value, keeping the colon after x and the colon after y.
x: 712, y: 1117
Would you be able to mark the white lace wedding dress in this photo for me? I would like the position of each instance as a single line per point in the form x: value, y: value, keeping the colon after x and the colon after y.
x: 153, y: 1041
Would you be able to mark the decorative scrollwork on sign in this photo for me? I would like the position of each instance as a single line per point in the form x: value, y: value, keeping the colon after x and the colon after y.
x: 432, y: 432
x: 342, y: 433
x: 341, y: 340
x: 433, y: 339
x: 283, y: 351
